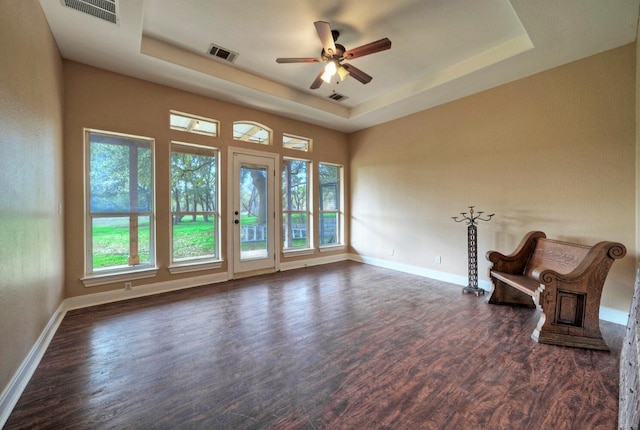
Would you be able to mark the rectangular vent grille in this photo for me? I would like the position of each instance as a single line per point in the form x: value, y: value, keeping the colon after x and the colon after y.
x: 103, y: 9
x: 223, y: 53
x: 337, y: 97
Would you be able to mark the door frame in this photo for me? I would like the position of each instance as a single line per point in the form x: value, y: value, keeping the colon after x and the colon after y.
x: 231, y: 191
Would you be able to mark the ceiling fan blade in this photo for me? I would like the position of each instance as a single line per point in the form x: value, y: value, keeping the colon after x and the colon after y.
x: 298, y: 60
x: 357, y: 74
x: 324, y: 32
x: 318, y: 81
x: 369, y: 48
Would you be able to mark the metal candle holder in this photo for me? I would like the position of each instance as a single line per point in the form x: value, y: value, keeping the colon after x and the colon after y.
x: 472, y: 235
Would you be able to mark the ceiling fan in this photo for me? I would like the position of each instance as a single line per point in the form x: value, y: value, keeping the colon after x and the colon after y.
x: 334, y: 54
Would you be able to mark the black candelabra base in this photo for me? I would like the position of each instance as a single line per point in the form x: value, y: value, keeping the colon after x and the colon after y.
x: 473, y: 290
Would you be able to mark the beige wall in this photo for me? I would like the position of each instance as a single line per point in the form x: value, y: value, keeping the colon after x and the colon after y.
x: 99, y: 99
x: 552, y: 152
x: 31, y: 237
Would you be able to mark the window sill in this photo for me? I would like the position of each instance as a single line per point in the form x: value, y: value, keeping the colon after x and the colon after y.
x: 329, y: 248
x: 112, y: 278
x: 194, y: 267
x: 296, y: 252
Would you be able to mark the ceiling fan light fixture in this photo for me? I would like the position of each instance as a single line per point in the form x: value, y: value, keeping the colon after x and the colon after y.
x: 329, y: 70
x: 343, y: 73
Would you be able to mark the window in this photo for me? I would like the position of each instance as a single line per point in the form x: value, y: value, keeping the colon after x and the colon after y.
x: 194, y: 203
x: 296, y: 216
x: 120, y: 217
x: 193, y: 124
x: 253, y: 132
x: 330, y: 204
x: 290, y: 141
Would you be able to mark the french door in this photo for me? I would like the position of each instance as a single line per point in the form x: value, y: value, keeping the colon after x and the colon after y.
x: 252, y: 203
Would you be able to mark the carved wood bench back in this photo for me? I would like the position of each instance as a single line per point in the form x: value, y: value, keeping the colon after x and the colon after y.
x: 556, y: 255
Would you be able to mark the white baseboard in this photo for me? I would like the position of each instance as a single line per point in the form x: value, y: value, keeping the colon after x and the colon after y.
x: 614, y: 315
x: 12, y: 392
x: 606, y: 314
x: 420, y: 271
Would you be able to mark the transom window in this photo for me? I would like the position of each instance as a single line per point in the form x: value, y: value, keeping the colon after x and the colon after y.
x: 331, y: 216
x: 296, y: 216
x: 249, y: 131
x: 120, y: 207
x: 296, y: 142
x: 194, y: 203
x: 193, y: 124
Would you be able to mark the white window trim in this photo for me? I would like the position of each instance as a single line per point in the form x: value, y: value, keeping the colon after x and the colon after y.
x: 310, y: 236
x: 112, y: 278
x: 268, y: 142
x: 194, y: 266
x: 198, y: 263
x: 123, y: 273
x: 293, y: 136
x: 340, y: 212
x: 196, y: 118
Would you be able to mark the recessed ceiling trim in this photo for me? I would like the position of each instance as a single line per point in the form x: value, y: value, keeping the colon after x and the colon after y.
x: 173, y: 54
x: 491, y: 56
x: 106, y: 10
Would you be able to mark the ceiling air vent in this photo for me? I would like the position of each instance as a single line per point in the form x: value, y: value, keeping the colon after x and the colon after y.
x: 337, y: 97
x: 223, y: 53
x: 103, y: 9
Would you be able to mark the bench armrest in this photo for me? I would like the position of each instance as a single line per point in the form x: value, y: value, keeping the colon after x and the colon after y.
x: 516, y: 261
x: 598, y: 261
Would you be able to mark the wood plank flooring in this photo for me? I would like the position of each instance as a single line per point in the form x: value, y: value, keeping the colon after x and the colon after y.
x: 340, y: 346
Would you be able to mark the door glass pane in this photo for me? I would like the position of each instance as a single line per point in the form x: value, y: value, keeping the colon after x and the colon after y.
x: 253, y: 212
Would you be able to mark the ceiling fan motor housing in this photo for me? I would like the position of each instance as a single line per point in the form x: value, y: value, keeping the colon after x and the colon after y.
x: 336, y: 56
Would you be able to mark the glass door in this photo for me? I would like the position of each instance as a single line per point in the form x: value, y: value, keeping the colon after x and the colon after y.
x: 253, y: 213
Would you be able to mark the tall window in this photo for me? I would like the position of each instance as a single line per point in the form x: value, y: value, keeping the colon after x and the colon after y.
x: 296, y: 216
x: 330, y: 204
x: 120, y: 217
x: 194, y: 203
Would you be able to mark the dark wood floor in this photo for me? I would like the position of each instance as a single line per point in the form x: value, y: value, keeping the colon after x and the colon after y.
x: 341, y: 346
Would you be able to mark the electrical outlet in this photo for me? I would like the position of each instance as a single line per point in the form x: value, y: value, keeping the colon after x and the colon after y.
x: 127, y: 286
x: 439, y: 259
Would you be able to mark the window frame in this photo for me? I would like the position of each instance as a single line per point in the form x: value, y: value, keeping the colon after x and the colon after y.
x: 309, y: 142
x: 181, y: 265
x: 93, y: 276
x: 308, y: 212
x: 194, y: 119
x: 267, y: 142
x: 339, y: 211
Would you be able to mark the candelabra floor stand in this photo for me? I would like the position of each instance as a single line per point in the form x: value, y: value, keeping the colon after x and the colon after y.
x: 472, y: 245
x: 472, y: 288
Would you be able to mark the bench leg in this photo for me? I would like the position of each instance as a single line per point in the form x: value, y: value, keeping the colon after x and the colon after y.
x: 582, y: 330
x: 503, y: 294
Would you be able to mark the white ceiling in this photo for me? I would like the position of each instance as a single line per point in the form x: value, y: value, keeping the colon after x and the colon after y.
x: 441, y: 49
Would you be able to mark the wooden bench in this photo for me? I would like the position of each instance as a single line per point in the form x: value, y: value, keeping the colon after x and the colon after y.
x: 565, y: 281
